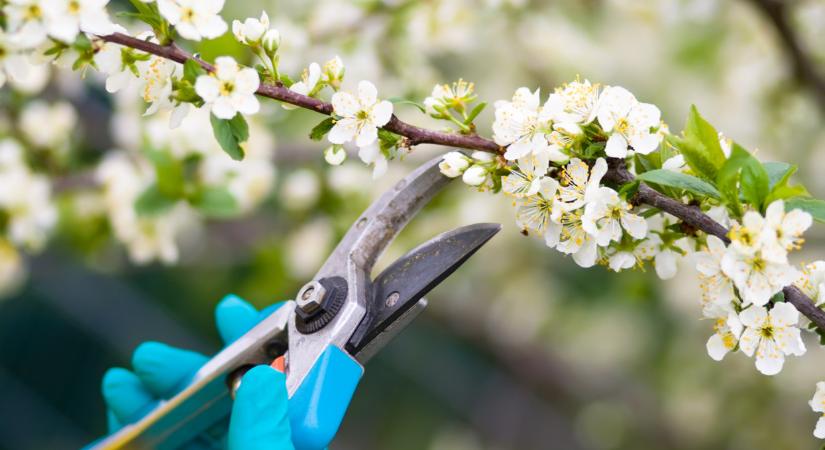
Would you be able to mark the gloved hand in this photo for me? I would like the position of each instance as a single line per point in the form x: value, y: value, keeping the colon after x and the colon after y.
x: 259, y: 417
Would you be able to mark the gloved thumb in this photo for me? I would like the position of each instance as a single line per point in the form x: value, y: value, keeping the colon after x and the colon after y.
x: 260, y: 419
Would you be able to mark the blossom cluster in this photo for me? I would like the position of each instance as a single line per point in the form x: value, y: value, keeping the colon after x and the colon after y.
x: 740, y: 280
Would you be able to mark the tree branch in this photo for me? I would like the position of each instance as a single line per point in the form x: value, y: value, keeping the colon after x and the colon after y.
x: 804, y: 67
x: 617, y: 172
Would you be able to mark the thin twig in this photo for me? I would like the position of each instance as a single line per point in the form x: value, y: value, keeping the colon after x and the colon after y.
x: 617, y: 172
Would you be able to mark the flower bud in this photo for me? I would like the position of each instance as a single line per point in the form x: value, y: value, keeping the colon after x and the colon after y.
x: 453, y: 164
x: 334, y: 72
x: 475, y: 176
x: 271, y: 41
x: 251, y: 30
x: 335, y: 154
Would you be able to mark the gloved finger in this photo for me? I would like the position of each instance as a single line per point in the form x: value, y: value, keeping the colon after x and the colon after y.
x: 125, y: 395
x: 165, y: 370
x: 259, y: 418
x: 234, y: 317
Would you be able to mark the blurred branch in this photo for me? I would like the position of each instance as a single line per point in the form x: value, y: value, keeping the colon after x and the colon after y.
x: 415, y: 135
x: 804, y: 66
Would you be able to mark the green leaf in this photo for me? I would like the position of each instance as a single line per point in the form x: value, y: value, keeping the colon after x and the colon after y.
x: 813, y: 206
x: 680, y: 181
x: 319, y: 131
x: 696, y: 156
x: 777, y: 171
x: 216, y: 202
x: 780, y: 175
x: 475, y: 112
x: 628, y: 190
x: 192, y: 70
x: 231, y: 134
x: 152, y: 202
x: 699, y: 128
x: 743, y: 173
x: 404, y: 101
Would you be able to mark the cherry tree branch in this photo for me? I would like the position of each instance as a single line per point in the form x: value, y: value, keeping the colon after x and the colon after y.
x: 617, y: 173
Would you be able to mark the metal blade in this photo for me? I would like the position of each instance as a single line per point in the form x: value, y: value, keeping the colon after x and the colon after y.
x: 401, y: 285
x: 384, y: 219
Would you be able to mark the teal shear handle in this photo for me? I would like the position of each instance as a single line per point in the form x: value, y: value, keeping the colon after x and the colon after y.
x: 318, y: 406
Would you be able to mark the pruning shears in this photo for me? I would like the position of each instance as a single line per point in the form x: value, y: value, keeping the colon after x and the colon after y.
x: 322, y: 339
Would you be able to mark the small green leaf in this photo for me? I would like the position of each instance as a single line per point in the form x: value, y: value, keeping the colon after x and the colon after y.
x: 403, y: 101
x: 152, y: 202
x: 319, y: 131
x: 780, y: 187
x: 475, y: 112
x: 628, y: 190
x: 777, y: 171
x: 192, y: 70
x: 702, y: 130
x: 286, y: 80
x: 680, y: 181
x: 813, y: 206
x: 216, y: 202
x: 743, y: 175
x: 231, y: 134
x: 696, y: 155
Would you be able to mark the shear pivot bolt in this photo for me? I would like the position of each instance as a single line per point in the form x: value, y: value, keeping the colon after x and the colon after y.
x: 311, y: 296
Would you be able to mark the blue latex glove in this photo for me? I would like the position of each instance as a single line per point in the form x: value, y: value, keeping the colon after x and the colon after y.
x: 259, y: 417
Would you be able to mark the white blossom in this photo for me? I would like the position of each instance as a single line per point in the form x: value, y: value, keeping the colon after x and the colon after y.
x: 194, y: 19
x: 229, y: 90
x: 372, y: 155
x: 771, y: 335
x: 785, y: 229
x: 752, y: 262
x: 579, y: 183
x: 360, y: 117
x: 727, y: 331
x: 567, y: 234
x: 13, y: 63
x: 574, y: 103
x: 333, y: 72
x: 526, y: 178
x: 717, y: 288
x: 817, y: 403
x: 628, y: 121
x: 606, y: 215
x: 521, y: 124
x: 812, y: 281
x: 627, y: 258
x: 668, y: 252
x: 308, y: 83
x: 534, y: 212
x: 454, y: 164
x: 26, y: 22
x: 156, y: 82
x: 111, y: 59
x: 66, y: 18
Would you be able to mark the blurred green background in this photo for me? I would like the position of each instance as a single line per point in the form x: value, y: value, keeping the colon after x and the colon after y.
x: 520, y: 349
